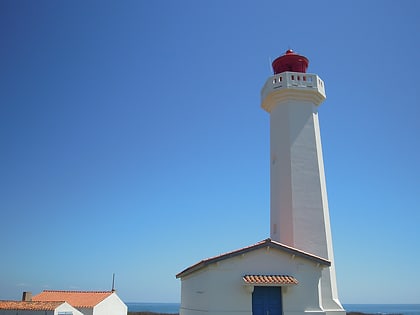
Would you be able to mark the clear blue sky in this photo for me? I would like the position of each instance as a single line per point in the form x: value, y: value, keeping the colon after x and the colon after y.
x: 133, y: 142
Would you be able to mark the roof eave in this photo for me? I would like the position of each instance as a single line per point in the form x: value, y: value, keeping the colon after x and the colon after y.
x: 265, y: 243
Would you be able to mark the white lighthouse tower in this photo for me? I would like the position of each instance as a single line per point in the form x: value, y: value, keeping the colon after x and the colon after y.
x: 292, y: 272
x: 299, y: 215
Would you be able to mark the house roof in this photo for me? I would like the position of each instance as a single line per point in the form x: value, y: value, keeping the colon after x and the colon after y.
x: 265, y: 243
x: 30, y: 305
x: 81, y: 299
x: 270, y: 279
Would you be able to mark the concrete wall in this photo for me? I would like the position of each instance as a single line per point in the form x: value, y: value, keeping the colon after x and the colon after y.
x: 219, y: 288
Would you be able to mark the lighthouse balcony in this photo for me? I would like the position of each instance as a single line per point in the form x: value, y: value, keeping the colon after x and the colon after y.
x: 294, y: 83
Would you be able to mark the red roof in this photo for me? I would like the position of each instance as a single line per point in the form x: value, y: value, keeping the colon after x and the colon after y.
x: 265, y: 243
x: 30, y: 305
x: 270, y: 279
x: 81, y: 299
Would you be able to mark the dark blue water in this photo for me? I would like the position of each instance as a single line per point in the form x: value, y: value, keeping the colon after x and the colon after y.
x: 405, y: 309
x: 169, y: 308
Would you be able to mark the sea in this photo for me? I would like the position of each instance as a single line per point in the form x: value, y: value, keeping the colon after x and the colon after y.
x: 380, y: 309
x: 168, y: 308
x: 384, y: 309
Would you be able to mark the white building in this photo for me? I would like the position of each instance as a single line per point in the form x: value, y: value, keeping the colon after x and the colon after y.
x: 37, y: 308
x: 87, y: 302
x: 235, y: 282
x: 293, y: 272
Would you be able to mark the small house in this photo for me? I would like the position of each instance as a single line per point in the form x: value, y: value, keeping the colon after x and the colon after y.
x: 246, y: 280
x: 87, y: 302
x: 37, y: 308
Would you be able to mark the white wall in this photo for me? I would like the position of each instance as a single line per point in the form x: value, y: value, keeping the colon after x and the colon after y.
x: 65, y: 307
x: 299, y: 213
x: 112, y: 305
x: 219, y: 288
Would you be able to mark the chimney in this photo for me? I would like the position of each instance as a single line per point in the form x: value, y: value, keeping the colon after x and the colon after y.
x: 27, y: 296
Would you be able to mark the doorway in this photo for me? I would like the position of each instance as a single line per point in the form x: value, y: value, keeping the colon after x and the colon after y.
x: 266, y: 301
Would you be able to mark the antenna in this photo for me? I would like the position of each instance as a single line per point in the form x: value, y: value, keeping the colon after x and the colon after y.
x: 113, y: 282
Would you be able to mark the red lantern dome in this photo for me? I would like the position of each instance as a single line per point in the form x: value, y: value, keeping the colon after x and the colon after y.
x: 290, y: 61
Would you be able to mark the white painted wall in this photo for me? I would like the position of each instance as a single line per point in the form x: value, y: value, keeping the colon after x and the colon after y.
x: 299, y: 213
x: 219, y: 288
x: 65, y: 308
x: 297, y: 203
x: 112, y: 305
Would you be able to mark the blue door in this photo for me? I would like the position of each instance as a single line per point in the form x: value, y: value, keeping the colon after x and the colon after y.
x: 266, y: 301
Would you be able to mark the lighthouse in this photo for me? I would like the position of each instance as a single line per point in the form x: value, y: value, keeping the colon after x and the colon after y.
x: 299, y: 214
x: 292, y: 272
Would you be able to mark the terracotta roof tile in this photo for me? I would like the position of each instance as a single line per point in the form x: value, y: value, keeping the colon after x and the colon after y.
x: 30, y: 305
x: 270, y: 279
x: 81, y: 299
